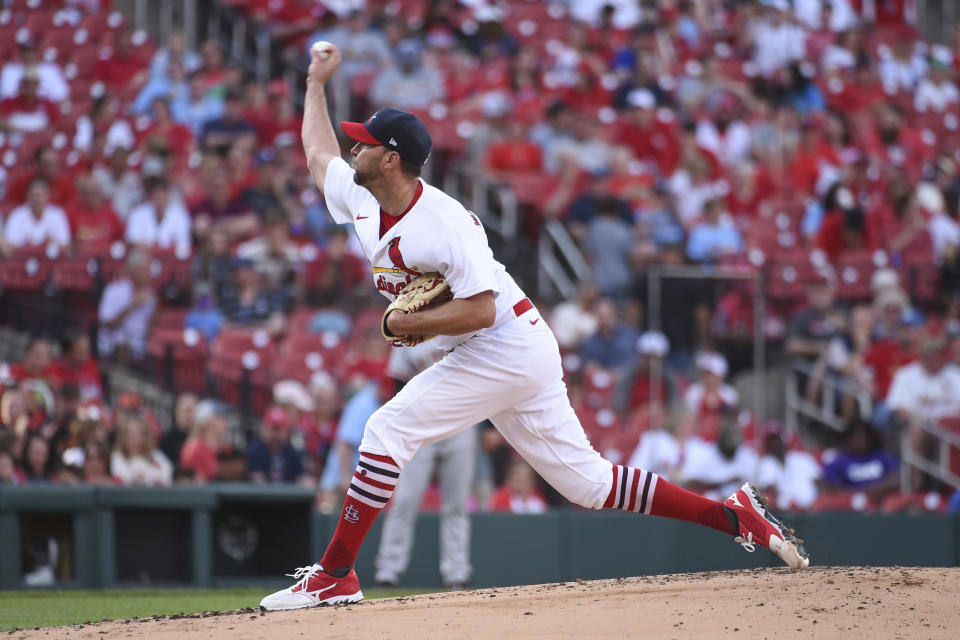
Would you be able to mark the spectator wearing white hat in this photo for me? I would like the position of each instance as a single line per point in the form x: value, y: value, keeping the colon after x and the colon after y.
x: 649, y: 383
x: 710, y: 396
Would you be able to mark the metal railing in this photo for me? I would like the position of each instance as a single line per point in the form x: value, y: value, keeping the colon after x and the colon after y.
x: 562, y: 267
x: 824, y: 410
x: 655, y: 276
x: 937, y: 467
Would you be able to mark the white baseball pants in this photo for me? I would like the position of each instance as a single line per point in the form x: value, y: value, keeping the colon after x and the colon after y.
x: 512, y: 375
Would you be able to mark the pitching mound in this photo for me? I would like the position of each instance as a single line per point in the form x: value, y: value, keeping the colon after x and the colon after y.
x: 823, y: 602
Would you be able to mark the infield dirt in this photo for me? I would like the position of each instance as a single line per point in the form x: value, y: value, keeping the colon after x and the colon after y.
x: 823, y: 602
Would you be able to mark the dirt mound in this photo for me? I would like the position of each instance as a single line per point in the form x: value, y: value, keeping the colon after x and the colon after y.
x: 823, y: 602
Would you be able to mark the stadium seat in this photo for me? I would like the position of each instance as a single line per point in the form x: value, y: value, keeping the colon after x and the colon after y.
x: 786, y: 280
x: 241, y: 379
x: 75, y: 274
x: 170, y: 319
x: 853, y: 275
x: 930, y: 502
x: 179, y: 356
x: 327, y: 349
x: 843, y: 501
x: 27, y: 275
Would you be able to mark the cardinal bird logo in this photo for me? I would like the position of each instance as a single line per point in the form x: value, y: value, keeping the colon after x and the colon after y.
x: 396, y: 257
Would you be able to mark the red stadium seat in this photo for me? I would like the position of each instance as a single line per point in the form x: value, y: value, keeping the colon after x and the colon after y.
x: 235, y: 341
x: 77, y: 274
x: 29, y: 274
x: 172, y: 319
x: 179, y: 356
x: 930, y: 502
x: 786, y: 280
x: 241, y: 378
x: 853, y: 276
x: 328, y: 347
x: 843, y: 501
x: 167, y: 268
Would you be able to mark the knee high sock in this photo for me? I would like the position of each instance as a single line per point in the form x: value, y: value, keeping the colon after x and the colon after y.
x: 644, y: 492
x: 370, y: 488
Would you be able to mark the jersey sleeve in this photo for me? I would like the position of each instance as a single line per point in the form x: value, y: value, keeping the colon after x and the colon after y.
x: 344, y: 197
x: 465, y: 261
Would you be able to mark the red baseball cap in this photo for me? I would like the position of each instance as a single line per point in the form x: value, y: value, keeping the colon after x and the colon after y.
x: 276, y: 416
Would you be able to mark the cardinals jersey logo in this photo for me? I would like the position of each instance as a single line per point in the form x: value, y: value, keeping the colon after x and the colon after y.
x: 396, y: 257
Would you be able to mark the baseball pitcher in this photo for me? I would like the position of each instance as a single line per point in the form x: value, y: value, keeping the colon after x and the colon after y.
x: 430, y: 256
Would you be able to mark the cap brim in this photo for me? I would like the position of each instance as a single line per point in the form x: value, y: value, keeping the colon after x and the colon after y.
x: 356, y: 131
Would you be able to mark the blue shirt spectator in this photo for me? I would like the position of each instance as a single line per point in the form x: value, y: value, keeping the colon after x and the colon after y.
x: 172, y: 87
x: 863, y: 463
x: 713, y: 237
x: 356, y: 412
x: 271, y: 457
x: 247, y: 301
x: 860, y: 471
x: 198, y: 106
x: 614, y: 344
x: 953, y: 506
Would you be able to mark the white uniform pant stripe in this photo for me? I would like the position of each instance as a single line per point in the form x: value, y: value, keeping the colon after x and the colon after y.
x: 649, y: 493
x: 386, y: 466
x: 369, y: 488
x: 365, y: 500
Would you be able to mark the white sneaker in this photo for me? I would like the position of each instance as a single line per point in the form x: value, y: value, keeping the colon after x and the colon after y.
x: 314, y: 588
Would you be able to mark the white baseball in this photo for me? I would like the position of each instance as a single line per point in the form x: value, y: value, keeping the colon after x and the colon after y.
x: 323, y: 49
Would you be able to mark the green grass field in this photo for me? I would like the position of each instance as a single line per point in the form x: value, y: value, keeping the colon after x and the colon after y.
x: 28, y: 609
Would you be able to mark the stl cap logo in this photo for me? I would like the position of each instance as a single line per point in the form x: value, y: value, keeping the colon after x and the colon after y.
x: 351, y: 514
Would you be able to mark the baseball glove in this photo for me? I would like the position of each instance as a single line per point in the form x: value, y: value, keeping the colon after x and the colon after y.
x: 423, y: 292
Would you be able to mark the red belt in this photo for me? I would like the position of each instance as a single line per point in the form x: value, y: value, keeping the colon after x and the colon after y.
x: 522, y: 307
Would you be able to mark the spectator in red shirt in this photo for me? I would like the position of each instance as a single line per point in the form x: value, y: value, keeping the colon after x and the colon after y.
x: 519, y: 493
x: 27, y: 112
x: 283, y: 121
x: 811, y: 154
x: 36, y: 362
x: 652, y: 347
x: 79, y: 367
x: 843, y: 230
x: 165, y: 133
x: 93, y: 222
x: 199, y: 453
x: 652, y: 138
x: 46, y: 162
x: 122, y: 71
x: 514, y: 155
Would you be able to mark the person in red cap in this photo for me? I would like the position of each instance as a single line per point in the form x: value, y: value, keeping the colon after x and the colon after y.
x: 500, y: 360
x: 271, y: 457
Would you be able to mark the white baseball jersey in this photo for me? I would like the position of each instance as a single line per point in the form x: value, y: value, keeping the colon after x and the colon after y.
x: 436, y: 234
x: 509, y: 373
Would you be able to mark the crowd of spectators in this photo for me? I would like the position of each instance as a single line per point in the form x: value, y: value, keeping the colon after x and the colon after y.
x: 761, y: 135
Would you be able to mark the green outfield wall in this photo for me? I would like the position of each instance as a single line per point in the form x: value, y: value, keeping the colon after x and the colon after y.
x: 222, y: 535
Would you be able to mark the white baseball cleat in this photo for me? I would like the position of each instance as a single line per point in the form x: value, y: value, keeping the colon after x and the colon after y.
x: 314, y: 588
x: 758, y: 526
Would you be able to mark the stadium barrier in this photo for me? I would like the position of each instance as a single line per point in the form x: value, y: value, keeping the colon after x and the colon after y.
x: 229, y: 535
